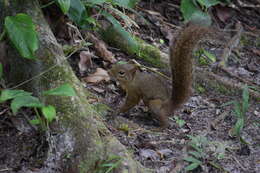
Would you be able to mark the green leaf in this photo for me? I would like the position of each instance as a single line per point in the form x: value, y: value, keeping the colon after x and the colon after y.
x: 179, y: 121
x: 191, y: 12
x: 245, y: 101
x: 208, y: 3
x: 126, y: 3
x: 192, y: 167
x: 1, y: 70
x: 107, y: 164
x: 49, y: 112
x: 63, y: 90
x: 10, y: 94
x: 25, y: 101
x: 237, y: 110
x: 200, y: 17
x: 192, y: 159
x: 210, y: 56
x: 227, y: 103
x: 96, y: 2
x: 77, y: 12
x: 187, y: 9
x: 238, y: 127
x: 195, y: 154
x: 64, y: 5
x: 35, y: 121
x: 22, y: 33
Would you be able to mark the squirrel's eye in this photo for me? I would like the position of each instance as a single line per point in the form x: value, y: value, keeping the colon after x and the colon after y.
x: 121, y: 73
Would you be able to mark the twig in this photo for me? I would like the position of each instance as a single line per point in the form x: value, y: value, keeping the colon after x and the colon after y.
x: 244, y: 169
x: 230, y: 83
x: 6, y: 169
x: 4, y: 111
x: 231, y: 45
x: 150, y: 69
x: 246, y: 81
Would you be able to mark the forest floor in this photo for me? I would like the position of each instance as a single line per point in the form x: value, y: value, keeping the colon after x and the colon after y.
x: 204, y: 121
x: 201, y: 129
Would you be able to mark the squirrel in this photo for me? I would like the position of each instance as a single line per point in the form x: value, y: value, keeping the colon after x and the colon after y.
x: 162, y: 100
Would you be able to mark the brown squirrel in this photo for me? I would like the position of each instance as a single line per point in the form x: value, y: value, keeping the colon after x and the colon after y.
x: 151, y: 88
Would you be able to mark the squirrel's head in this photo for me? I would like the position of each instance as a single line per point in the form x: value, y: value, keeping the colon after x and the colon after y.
x: 123, y: 72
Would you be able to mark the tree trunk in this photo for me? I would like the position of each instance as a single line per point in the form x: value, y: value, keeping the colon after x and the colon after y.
x: 78, y: 133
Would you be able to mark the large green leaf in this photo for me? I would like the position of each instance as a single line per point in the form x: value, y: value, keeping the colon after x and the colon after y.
x: 187, y: 9
x: 10, y: 94
x: 77, y: 12
x: 64, y: 5
x: 25, y: 101
x: 63, y: 90
x: 22, y: 33
x: 193, y: 13
x: 49, y: 112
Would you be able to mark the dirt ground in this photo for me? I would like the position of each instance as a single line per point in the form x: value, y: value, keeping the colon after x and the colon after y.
x: 203, y: 121
x: 204, y: 115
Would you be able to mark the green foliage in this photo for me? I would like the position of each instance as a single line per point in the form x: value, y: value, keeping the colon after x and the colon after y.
x: 101, y: 108
x: 78, y: 9
x: 64, y: 5
x: 132, y: 45
x: 109, y: 165
x: 179, y: 121
x: 63, y: 90
x: 22, y: 33
x: 209, y: 55
x: 203, y: 151
x: 240, y: 110
x: 125, y: 3
x: 208, y: 3
x: 200, y: 89
x: 77, y: 13
x: 198, y: 144
x: 49, y: 113
x: 197, y: 10
x: 11, y: 94
x: 21, y: 98
x: 25, y: 101
x: 205, y: 57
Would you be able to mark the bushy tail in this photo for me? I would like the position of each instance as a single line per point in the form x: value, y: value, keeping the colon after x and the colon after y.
x: 181, y: 62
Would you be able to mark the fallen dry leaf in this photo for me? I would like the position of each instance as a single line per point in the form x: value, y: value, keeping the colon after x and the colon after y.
x: 98, y: 76
x: 256, y: 51
x: 101, y: 49
x: 85, y: 61
x: 223, y: 13
x: 92, y: 100
x: 99, y: 90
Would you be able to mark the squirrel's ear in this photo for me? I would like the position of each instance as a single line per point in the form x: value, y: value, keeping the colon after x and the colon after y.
x: 133, y: 69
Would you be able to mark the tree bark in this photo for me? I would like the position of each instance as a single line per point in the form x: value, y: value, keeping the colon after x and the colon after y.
x: 79, y: 133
